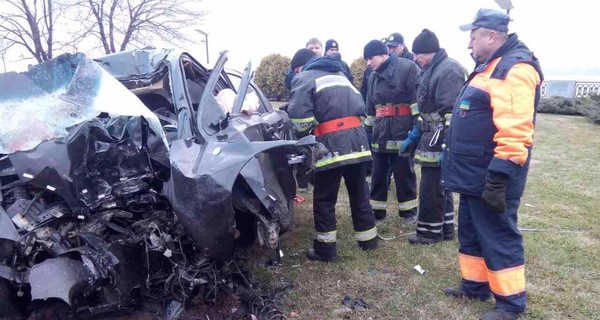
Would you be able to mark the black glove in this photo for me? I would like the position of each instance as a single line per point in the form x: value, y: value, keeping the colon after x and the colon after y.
x: 494, y: 193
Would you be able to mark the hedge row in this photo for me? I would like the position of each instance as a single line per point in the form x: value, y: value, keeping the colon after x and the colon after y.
x: 271, y: 72
x: 589, y: 107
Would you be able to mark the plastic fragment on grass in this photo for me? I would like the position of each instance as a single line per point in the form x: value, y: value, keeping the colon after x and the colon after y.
x: 419, y: 269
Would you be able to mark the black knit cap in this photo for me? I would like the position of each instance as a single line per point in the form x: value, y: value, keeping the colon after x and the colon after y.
x: 426, y: 42
x: 301, y: 57
x: 331, y: 44
x: 374, y: 48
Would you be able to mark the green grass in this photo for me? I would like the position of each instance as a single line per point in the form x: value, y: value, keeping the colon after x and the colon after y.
x: 562, y: 256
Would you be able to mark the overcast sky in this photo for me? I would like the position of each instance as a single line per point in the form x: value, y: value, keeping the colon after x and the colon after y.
x: 563, y: 34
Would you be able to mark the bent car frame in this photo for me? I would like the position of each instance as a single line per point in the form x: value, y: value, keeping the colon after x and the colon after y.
x: 125, y: 179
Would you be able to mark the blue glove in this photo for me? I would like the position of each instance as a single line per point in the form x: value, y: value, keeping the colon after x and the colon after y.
x: 413, y: 136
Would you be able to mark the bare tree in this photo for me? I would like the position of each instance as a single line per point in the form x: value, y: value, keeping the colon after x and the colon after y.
x: 30, y: 24
x: 121, y: 23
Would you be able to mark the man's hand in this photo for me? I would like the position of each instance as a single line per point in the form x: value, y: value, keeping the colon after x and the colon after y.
x: 413, y: 137
x: 494, y: 193
x: 405, y: 144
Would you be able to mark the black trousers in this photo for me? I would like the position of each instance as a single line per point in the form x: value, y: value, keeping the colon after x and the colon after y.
x: 436, y: 206
x: 406, y: 184
x: 302, y: 177
x: 326, y: 187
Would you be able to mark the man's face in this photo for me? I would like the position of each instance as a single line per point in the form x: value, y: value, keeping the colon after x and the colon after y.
x: 331, y: 50
x: 424, y: 59
x: 316, y: 48
x: 396, y: 49
x: 481, y: 44
x: 376, y: 61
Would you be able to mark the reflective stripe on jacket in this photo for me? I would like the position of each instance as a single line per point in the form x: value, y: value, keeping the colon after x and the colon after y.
x: 438, y: 87
x: 394, y: 83
x: 319, y: 96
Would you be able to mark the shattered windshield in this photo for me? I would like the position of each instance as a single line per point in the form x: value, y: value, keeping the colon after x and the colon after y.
x: 44, y: 102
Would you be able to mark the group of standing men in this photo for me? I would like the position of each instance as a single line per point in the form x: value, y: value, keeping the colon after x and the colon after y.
x: 471, y: 134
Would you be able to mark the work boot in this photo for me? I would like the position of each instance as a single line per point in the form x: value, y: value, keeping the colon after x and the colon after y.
x: 499, y: 314
x: 458, y: 292
x: 314, y: 256
x: 409, y: 219
x: 408, y: 216
x: 379, y: 214
x: 369, y: 245
x: 418, y: 239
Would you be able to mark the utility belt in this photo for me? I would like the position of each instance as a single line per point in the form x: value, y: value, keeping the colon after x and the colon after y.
x: 391, y: 110
x: 433, y: 122
x: 337, y: 125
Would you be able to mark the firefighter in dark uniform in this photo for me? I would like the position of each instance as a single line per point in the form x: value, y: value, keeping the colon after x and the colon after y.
x: 325, y: 103
x: 439, y: 83
x: 391, y: 91
x: 486, y: 160
x: 363, y: 92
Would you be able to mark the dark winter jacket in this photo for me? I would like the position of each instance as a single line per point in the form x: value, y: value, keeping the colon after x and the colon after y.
x: 407, y: 55
x: 437, y: 89
x: 365, y: 82
x: 394, y: 83
x: 493, y: 123
x: 321, y: 93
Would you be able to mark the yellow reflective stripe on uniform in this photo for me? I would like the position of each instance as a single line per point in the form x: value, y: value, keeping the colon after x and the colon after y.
x: 414, y: 109
x: 333, y: 80
x: 428, y: 156
x: 344, y: 157
x: 378, y: 205
x: 304, y: 124
x: 393, y: 144
x: 326, y: 237
x: 370, y: 121
x: 374, y: 145
x: 407, y: 205
x: 366, y: 235
x: 304, y: 120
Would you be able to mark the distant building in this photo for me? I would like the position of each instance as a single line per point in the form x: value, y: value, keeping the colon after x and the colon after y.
x: 571, y: 86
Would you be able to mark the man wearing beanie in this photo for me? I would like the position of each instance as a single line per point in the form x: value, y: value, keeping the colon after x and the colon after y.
x: 438, y: 86
x: 332, y: 49
x: 391, y: 91
x: 325, y: 103
x: 395, y: 44
x: 486, y: 160
x: 363, y: 92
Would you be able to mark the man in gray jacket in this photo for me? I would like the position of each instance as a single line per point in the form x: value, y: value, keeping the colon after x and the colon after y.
x: 439, y: 84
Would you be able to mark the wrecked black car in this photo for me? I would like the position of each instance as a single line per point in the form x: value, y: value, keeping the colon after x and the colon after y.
x: 111, y: 199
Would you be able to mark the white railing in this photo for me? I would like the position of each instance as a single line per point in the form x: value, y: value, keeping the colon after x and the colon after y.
x: 544, y: 89
x: 585, y: 89
x: 582, y: 89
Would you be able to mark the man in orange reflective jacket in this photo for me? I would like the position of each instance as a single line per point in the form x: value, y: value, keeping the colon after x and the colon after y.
x: 486, y: 159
